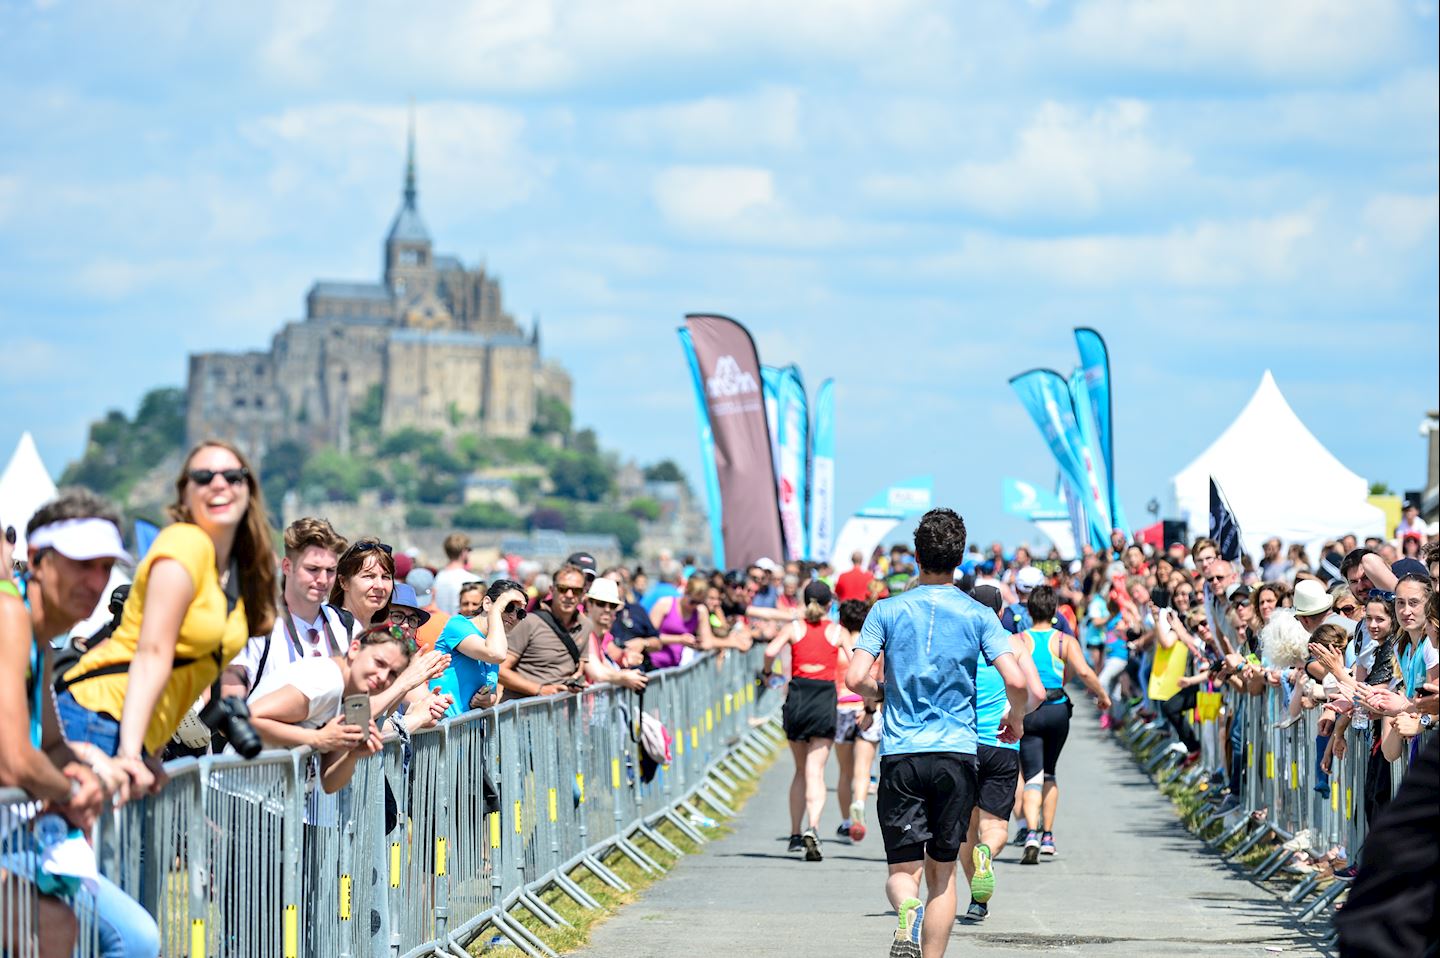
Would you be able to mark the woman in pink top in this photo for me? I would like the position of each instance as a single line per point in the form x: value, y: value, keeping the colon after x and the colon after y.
x: 683, y: 622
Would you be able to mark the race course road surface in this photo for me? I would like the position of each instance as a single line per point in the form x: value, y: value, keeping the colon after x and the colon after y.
x: 1128, y: 881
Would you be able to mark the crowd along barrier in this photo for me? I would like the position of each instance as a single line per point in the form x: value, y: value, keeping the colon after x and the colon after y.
x: 1286, y: 799
x: 439, y: 837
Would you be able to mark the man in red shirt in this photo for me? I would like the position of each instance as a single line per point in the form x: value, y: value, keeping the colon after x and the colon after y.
x: 854, y: 584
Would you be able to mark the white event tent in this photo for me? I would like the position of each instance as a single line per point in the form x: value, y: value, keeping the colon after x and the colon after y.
x: 25, y: 486
x: 1278, y: 478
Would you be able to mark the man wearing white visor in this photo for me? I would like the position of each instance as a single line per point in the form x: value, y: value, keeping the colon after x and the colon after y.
x: 72, y: 541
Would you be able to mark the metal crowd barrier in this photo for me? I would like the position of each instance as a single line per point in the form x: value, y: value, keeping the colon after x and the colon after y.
x: 435, y: 840
x: 1284, y: 794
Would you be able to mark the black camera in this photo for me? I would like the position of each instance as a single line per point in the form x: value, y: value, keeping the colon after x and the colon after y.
x: 229, y: 718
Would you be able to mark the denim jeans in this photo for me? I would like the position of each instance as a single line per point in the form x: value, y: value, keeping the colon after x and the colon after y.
x: 79, y: 724
x: 125, y: 929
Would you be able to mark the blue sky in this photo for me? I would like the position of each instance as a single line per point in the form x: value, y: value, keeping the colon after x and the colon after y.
x: 919, y: 199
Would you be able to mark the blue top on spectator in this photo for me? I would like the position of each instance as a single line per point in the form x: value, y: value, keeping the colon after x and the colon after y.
x: 465, y: 676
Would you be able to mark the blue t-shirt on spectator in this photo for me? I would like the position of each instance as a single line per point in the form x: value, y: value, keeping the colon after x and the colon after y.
x: 658, y: 591
x: 465, y: 676
x: 932, y: 637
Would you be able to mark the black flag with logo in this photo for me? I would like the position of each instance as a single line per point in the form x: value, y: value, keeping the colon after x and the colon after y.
x: 1223, y: 527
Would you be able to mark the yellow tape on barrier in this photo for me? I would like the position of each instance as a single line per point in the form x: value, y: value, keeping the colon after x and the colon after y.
x: 1334, y: 797
x: 551, y: 801
x: 518, y: 827
x: 727, y: 703
x: 750, y: 693
x: 1294, y: 776
x: 1349, y: 802
x: 694, y: 737
x: 394, y: 864
x: 580, y: 786
x: 494, y: 829
x: 344, y: 897
x: 709, y: 720
x: 292, y: 932
x: 1269, y: 764
x: 440, y: 856
x: 615, y: 773
x: 197, y: 938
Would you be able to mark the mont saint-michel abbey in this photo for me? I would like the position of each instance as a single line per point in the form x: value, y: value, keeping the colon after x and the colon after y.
x: 432, y: 341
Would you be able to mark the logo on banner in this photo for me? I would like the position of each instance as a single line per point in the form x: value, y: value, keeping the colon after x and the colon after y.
x: 731, y: 389
x: 730, y: 380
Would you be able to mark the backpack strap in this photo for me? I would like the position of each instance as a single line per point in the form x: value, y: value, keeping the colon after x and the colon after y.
x: 63, y: 684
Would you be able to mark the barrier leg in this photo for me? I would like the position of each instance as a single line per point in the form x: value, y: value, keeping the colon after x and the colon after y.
x: 1324, y: 901
x: 707, y: 796
x: 604, y: 874
x: 1304, y: 888
x: 645, y: 862
x: 660, y: 840
x: 521, y: 937
x: 686, y: 829
x: 541, y: 910
x: 580, y: 896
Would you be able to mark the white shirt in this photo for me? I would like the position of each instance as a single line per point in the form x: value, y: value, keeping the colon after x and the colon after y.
x: 319, y: 680
x: 282, y: 647
x: 447, y: 588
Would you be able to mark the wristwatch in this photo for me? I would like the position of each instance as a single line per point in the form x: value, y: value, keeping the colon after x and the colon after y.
x: 1426, y: 720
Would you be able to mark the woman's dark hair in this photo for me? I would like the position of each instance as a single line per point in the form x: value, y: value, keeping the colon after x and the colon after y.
x: 500, y: 586
x: 940, y: 540
x: 253, y: 553
x: 353, y: 559
x: 852, y: 614
x: 1041, y: 605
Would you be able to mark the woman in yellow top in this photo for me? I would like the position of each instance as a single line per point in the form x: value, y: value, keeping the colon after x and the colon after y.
x: 205, y: 586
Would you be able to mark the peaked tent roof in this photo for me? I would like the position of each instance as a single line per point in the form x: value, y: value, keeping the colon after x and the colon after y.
x: 25, y: 486
x: 1278, y: 478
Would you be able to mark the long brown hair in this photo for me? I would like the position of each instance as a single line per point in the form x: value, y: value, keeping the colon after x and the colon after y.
x: 253, y: 553
x: 353, y: 559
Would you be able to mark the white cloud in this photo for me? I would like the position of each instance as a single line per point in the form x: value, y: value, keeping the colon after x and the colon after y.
x: 1067, y: 162
x: 736, y: 204
x: 1312, y: 39
x: 474, y: 155
x: 767, y: 119
x: 1402, y: 221
x: 1212, y: 254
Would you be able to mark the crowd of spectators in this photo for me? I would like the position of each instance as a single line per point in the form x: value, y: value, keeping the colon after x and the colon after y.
x: 219, y: 644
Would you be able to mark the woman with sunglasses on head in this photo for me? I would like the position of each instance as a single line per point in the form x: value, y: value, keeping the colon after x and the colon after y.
x: 301, y: 705
x: 363, y: 592
x: 205, y: 586
x: 476, y: 645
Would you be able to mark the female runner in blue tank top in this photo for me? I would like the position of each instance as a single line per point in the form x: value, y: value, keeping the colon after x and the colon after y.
x: 1048, y: 726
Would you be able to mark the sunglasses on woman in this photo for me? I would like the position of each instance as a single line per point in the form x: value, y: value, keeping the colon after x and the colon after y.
x: 1380, y: 594
x: 360, y: 547
x: 203, y: 477
x: 1347, y: 609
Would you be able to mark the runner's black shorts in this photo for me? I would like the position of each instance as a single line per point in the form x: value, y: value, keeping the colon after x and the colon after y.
x: 924, y: 804
x: 1046, y: 730
x: 997, y: 772
x: 809, y: 710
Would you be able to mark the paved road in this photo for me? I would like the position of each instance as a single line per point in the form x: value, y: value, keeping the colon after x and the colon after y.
x: 1128, y: 881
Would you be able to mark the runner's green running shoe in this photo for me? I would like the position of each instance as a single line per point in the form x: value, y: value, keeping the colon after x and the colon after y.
x: 907, y: 936
x: 982, y: 886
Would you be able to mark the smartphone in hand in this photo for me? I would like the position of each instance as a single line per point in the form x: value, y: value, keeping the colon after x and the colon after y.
x: 356, y: 710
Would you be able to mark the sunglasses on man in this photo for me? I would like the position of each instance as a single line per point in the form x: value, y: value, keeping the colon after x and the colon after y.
x: 203, y: 477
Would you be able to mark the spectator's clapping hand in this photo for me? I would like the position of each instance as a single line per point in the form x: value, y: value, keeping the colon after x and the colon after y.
x: 1384, y: 701
x: 336, y: 735
x: 1407, y: 724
